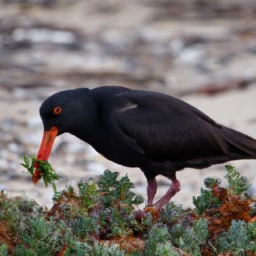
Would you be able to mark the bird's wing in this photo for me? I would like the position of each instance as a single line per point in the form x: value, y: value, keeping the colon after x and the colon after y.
x: 166, y: 128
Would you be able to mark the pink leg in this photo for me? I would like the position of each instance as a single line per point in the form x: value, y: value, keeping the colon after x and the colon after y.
x: 151, y: 190
x: 175, y: 187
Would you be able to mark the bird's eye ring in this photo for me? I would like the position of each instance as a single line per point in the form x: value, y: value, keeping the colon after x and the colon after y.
x: 57, y: 110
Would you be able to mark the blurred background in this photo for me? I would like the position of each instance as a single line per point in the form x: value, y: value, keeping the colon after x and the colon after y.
x: 202, y: 51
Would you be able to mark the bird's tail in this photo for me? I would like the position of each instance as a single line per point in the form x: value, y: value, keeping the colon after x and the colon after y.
x: 240, y: 146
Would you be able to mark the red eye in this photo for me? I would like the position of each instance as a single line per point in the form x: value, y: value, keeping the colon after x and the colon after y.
x: 57, y: 110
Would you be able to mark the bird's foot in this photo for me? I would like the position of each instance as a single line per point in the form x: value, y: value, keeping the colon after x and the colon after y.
x: 161, y: 202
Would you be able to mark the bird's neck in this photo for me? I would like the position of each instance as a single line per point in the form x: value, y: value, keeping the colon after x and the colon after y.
x: 88, y: 128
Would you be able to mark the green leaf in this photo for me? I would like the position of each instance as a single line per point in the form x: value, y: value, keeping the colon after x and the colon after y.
x: 237, y: 184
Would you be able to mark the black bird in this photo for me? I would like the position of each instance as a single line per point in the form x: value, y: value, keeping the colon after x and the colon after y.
x: 158, y: 133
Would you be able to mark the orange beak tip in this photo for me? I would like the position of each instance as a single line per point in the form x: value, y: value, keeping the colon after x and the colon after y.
x: 35, y: 180
x: 36, y: 177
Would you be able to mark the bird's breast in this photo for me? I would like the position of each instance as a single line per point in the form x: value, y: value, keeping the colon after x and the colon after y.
x: 120, y: 151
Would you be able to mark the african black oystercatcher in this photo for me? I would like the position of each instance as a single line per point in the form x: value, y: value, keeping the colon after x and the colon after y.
x: 158, y: 133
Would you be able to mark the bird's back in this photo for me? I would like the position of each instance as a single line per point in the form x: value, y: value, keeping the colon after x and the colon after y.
x: 168, y: 129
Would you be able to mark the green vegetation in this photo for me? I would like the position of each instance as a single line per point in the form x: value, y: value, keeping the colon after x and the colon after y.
x: 101, y: 217
x: 43, y: 169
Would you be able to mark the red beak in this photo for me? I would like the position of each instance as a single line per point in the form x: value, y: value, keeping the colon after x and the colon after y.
x: 46, y: 145
x: 45, y: 151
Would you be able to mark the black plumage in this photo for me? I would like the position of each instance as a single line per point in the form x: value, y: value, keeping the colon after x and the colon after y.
x: 158, y: 133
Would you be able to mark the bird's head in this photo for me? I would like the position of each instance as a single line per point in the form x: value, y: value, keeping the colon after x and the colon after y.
x: 62, y: 112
